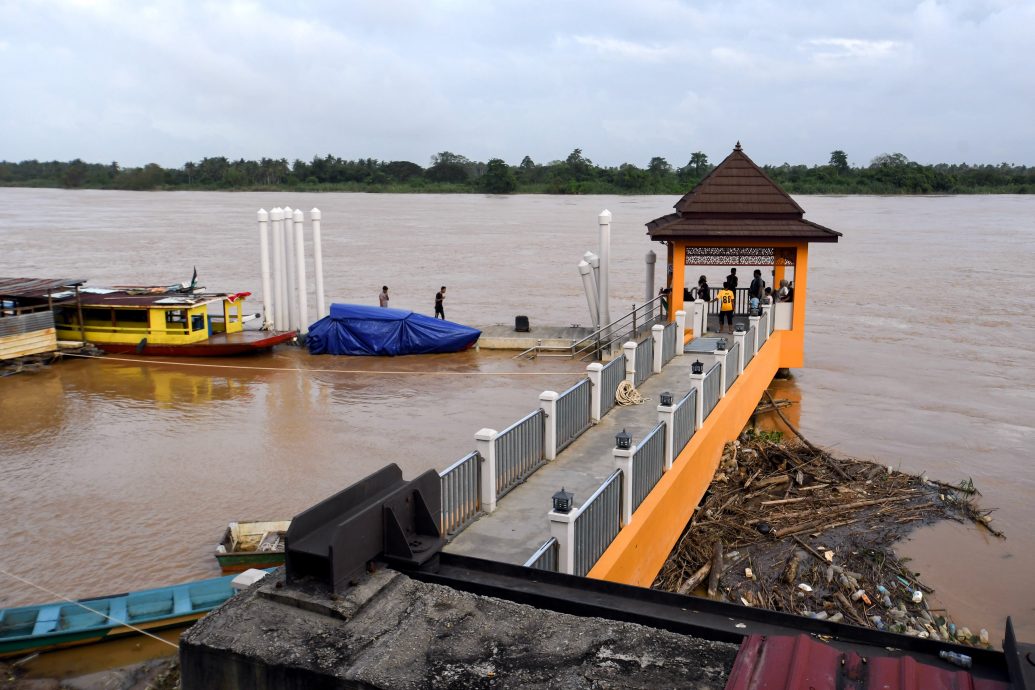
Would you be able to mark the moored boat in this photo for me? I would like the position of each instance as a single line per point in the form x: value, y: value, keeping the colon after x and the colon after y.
x: 164, y: 321
x: 28, y: 629
x: 252, y: 545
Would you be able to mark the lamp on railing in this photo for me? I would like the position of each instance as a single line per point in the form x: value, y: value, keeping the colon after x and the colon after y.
x: 623, y: 440
x: 562, y: 501
x: 666, y: 399
x: 739, y: 328
x: 755, y: 311
x: 697, y: 367
x: 721, y: 344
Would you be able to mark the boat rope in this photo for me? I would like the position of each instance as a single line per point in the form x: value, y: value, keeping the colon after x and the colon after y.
x: 84, y: 606
x: 151, y: 360
x: 628, y: 395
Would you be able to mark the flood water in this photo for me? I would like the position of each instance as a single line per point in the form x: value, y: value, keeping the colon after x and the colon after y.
x: 119, y: 474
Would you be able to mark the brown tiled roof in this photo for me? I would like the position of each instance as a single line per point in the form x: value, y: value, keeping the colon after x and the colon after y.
x: 738, y: 200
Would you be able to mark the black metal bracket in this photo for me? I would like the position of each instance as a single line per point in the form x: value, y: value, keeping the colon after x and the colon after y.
x: 380, y: 517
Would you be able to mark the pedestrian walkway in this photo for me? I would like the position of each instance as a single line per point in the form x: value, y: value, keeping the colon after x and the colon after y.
x: 519, y: 524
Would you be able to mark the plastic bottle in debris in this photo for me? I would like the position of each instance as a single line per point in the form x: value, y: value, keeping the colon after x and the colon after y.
x: 961, y: 660
x: 918, y: 596
x: 983, y: 635
x: 877, y: 622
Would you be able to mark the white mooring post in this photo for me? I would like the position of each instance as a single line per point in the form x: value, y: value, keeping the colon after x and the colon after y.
x: 740, y: 337
x: 594, y: 262
x: 604, y: 222
x: 629, y: 348
x: 700, y: 320
x: 562, y: 528
x: 289, y: 261
x: 321, y: 304
x: 593, y: 372
x: 485, y: 444
x: 680, y: 331
x: 591, y: 293
x: 624, y: 462
x: 548, y: 404
x: 667, y: 414
x: 303, y: 292
x: 650, y: 259
x: 697, y: 383
x: 657, y: 334
x: 280, y: 286
x: 264, y: 265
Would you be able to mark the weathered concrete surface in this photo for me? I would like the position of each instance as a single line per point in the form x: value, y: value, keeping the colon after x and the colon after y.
x: 501, y: 337
x: 395, y: 632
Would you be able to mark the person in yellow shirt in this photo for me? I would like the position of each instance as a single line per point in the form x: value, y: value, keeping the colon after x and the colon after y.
x: 726, y: 299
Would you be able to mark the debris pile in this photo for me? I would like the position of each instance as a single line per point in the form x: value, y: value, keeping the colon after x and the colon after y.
x: 791, y: 528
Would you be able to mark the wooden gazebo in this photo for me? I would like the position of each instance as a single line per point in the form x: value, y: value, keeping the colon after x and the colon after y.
x: 738, y: 217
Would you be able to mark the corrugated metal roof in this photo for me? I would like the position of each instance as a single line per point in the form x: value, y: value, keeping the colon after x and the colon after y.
x: 35, y: 287
x: 777, y: 662
x: 738, y: 201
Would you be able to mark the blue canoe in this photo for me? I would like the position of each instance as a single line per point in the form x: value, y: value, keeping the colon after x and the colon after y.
x: 356, y: 329
x: 29, y: 629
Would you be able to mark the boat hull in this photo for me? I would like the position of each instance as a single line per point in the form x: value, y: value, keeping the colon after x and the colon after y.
x: 230, y: 345
x: 76, y: 638
x: 239, y: 562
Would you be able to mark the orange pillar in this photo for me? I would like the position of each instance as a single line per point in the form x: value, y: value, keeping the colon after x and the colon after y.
x: 677, y: 257
x: 793, y: 347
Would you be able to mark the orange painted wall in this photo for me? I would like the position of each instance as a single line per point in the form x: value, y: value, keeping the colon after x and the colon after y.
x: 641, y: 547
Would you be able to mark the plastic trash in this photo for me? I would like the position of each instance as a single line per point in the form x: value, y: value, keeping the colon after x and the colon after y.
x: 886, y: 600
x: 983, y: 635
x: 877, y: 622
x: 858, y: 594
x: 836, y: 617
x: 918, y: 596
x: 882, y: 589
x: 804, y: 587
x: 961, y: 660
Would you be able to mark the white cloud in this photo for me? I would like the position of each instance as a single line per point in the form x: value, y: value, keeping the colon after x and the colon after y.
x: 628, y: 50
x: 853, y: 48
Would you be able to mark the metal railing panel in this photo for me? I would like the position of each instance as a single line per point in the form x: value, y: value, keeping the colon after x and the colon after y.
x: 644, y: 359
x: 461, y: 493
x: 749, y: 346
x: 611, y: 376
x: 712, y: 389
x: 684, y: 422
x: 763, y: 329
x: 519, y: 451
x: 598, y: 523
x: 573, y: 413
x: 545, y: 557
x: 668, y: 343
x: 26, y: 323
x: 648, y: 464
x: 731, y: 365
x: 624, y: 328
x: 772, y: 320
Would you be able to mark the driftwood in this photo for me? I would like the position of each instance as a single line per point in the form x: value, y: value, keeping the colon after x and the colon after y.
x: 713, y: 579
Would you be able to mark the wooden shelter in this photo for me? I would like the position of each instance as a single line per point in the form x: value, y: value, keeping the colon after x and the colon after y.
x: 738, y: 217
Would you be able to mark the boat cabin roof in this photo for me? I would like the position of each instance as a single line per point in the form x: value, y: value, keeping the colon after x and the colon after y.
x: 146, y: 298
x: 37, y: 288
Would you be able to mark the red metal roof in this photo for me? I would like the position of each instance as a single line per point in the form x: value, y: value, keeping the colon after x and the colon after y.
x: 35, y: 287
x: 777, y: 662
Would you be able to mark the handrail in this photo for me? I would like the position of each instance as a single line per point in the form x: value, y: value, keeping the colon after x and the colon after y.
x: 595, y: 333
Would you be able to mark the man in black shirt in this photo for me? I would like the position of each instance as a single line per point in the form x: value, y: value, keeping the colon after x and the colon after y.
x: 756, y: 290
x: 440, y: 296
x: 732, y: 279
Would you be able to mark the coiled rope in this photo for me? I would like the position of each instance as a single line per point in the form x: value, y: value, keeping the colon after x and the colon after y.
x: 628, y: 395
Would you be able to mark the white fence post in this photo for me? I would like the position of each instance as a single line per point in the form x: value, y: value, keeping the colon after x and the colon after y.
x: 680, y: 331
x: 562, y: 528
x: 630, y: 361
x: 485, y: 444
x: 721, y: 356
x: 667, y: 414
x: 697, y: 383
x: 700, y: 318
x: 657, y: 333
x: 548, y: 403
x: 738, y: 338
x: 593, y: 372
x: 624, y: 462
x: 753, y: 322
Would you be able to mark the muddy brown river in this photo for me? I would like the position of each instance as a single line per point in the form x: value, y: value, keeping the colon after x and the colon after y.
x: 119, y: 474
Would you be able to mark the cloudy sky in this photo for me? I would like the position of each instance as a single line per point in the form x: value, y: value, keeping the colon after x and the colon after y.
x: 168, y: 82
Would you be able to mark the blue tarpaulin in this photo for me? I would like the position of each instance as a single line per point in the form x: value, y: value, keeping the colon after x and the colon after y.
x: 355, y: 329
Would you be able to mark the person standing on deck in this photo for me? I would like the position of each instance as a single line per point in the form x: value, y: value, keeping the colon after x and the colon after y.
x: 757, y: 289
x: 383, y: 297
x: 732, y: 279
x: 440, y: 297
x: 703, y: 292
x: 725, y: 298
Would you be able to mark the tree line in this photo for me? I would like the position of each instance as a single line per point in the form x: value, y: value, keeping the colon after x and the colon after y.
x: 450, y: 172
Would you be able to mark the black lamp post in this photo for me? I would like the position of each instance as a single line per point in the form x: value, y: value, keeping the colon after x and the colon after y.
x: 721, y: 345
x: 697, y: 367
x: 666, y: 399
x: 739, y: 328
x: 623, y: 440
x: 562, y: 501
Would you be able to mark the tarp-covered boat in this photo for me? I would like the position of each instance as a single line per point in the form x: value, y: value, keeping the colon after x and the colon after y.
x: 356, y: 329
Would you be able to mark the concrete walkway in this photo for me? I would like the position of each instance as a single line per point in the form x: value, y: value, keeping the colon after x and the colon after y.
x: 519, y: 525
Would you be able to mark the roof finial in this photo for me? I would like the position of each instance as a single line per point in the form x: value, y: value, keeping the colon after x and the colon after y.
x: 737, y: 147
